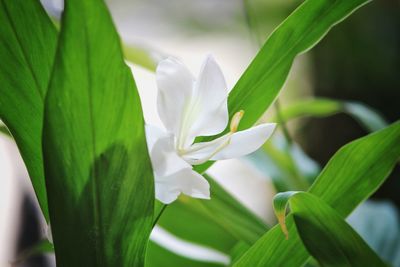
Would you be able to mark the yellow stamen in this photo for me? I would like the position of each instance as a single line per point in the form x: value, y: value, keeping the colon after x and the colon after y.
x: 235, y: 121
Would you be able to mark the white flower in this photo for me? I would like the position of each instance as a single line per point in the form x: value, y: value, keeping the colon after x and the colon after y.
x: 189, y: 108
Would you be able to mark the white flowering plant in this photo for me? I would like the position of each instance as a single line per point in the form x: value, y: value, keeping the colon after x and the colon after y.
x: 105, y: 179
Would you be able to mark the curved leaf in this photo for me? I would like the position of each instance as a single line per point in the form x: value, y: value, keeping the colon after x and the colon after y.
x: 263, y: 79
x: 351, y: 176
x: 158, y: 256
x: 98, y: 173
x: 378, y: 223
x: 199, y: 221
x: 27, y: 48
x: 328, y: 238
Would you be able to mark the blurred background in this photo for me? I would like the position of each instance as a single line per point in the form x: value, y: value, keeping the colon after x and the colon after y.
x: 342, y: 89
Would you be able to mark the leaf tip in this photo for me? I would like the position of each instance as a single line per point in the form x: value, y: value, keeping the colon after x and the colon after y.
x: 282, y: 223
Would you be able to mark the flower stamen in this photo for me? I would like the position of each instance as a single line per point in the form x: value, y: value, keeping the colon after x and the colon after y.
x: 194, y: 148
x: 236, y: 120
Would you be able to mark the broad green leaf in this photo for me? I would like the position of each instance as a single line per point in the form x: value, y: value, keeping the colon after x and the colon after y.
x: 378, y: 223
x: 27, y: 47
x: 358, y: 169
x: 325, y: 234
x: 199, y: 221
x: 158, y: 256
x: 238, y: 250
x: 98, y: 173
x: 263, y: 79
x: 191, y: 224
x: 230, y: 213
x: 323, y: 107
x: 351, y: 176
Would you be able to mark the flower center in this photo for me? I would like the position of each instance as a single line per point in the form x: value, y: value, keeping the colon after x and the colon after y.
x: 236, y: 120
x: 214, y: 146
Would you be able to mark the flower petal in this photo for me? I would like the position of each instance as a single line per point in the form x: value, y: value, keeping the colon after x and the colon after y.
x: 230, y: 145
x: 153, y: 133
x: 207, y: 114
x: 175, y: 86
x: 164, y: 158
x: 245, y: 142
x: 185, y: 181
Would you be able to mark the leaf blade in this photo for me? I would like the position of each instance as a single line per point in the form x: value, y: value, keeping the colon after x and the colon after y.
x: 27, y: 49
x: 306, y: 26
x: 101, y: 188
x: 273, y: 250
x: 328, y: 238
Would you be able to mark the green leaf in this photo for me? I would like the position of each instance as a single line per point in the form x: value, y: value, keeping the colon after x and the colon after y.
x: 316, y: 107
x: 189, y: 223
x: 327, y: 237
x: 369, y: 118
x: 263, y: 79
x: 199, y: 221
x: 231, y: 214
x: 27, y: 47
x: 351, y: 176
x: 98, y: 173
x: 358, y: 169
x: 378, y: 222
x: 158, y: 256
x: 281, y: 201
x: 238, y: 250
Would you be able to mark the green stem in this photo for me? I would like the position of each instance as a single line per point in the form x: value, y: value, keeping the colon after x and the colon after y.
x: 159, y: 214
x: 250, y: 24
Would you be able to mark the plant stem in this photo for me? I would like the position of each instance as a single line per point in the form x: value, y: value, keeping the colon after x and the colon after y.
x: 159, y: 214
x: 252, y: 29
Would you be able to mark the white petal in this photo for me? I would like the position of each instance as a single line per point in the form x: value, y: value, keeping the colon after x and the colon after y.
x: 175, y: 86
x: 185, y: 181
x: 164, y: 158
x: 245, y: 142
x: 153, y: 133
x: 209, y: 106
x: 230, y: 145
x: 199, y: 153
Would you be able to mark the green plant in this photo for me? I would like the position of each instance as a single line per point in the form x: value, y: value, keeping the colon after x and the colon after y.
x: 71, y: 104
